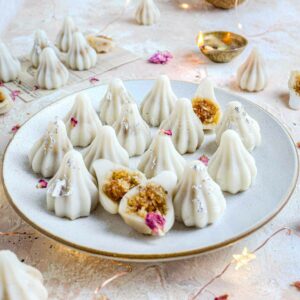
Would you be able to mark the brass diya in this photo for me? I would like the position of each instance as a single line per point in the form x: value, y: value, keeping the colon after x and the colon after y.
x: 225, y: 4
x: 221, y: 46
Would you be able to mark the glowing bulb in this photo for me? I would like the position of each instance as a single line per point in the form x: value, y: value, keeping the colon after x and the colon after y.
x: 184, y: 6
x: 243, y: 259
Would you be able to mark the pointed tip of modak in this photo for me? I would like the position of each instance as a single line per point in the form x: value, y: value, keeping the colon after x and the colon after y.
x: 48, y: 53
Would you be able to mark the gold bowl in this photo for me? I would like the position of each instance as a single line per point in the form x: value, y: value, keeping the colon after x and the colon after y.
x: 225, y: 4
x: 221, y: 46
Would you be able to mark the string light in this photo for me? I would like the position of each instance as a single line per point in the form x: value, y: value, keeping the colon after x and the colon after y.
x: 184, y: 5
x: 243, y: 259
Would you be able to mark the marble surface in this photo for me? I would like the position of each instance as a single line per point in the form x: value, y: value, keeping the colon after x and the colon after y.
x: 272, y: 27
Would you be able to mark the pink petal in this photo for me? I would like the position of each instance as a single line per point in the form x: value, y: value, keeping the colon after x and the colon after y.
x: 74, y: 121
x: 42, y: 184
x: 204, y: 159
x: 160, y: 57
x: 93, y: 79
x: 15, y: 94
x: 155, y: 222
x: 167, y: 132
x: 15, y: 128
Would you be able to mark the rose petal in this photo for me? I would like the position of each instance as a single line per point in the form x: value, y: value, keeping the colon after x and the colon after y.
x: 74, y: 121
x: 42, y: 184
x: 93, y: 79
x: 15, y: 128
x: 155, y: 222
x: 296, y: 284
x: 167, y: 132
x: 160, y: 57
x: 203, y: 158
x: 222, y: 297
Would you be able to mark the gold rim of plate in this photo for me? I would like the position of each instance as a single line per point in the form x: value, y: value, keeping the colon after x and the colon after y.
x: 162, y: 256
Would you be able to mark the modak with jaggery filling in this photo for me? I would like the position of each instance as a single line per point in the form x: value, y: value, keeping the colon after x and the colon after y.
x: 148, y: 208
x: 114, y: 182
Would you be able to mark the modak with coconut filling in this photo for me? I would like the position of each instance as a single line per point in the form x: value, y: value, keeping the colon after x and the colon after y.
x: 148, y: 208
x: 114, y: 181
x: 206, y: 106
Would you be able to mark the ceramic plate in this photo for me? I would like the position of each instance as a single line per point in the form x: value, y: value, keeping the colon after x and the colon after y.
x: 106, y: 235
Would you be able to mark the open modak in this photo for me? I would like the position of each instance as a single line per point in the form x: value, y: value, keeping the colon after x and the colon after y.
x: 148, y: 207
x: 205, y: 104
x: 114, y: 181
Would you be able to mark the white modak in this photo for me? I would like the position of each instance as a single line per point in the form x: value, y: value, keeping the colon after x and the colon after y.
x: 236, y: 118
x: 205, y: 104
x: 114, y: 181
x: 147, y: 13
x: 198, y: 200
x: 252, y: 75
x: 111, y: 104
x: 148, y: 207
x: 81, y: 56
x: 47, y: 153
x: 19, y: 281
x: 232, y: 166
x: 82, y: 121
x: 132, y: 131
x: 10, y: 66
x: 51, y: 73
x: 159, y: 102
x: 64, y: 38
x: 40, y: 42
x: 105, y: 145
x: 187, y: 129
x: 6, y: 102
x: 161, y: 156
x: 72, y: 192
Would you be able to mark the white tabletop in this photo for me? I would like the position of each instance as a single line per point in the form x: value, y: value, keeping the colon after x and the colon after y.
x: 270, y: 25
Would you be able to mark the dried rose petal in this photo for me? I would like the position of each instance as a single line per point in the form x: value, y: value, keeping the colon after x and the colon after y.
x: 160, y: 57
x: 222, y: 297
x: 203, y: 158
x: 35, y: 87
x: 42, y: 184
x: 15, y: 94
x: 1, y: 83
x: 298, y: 145
x: 155, y: 222
x: 93, y: 79
x: 167, y: 132
x: 74, y: 121
x: 296, y: 284
x: 15, y: 128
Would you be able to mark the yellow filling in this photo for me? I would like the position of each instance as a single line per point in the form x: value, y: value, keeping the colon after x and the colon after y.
x: 207, y: 111
x: 119, y: 183
x: 297, y: 84
x: 2, y: 96
x: 150, y: 198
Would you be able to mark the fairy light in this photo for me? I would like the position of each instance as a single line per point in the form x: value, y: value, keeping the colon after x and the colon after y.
x: 184, y: 5
x: 243, y: 259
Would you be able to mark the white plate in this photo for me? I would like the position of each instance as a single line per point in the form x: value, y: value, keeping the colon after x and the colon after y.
x: 107, y: 235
